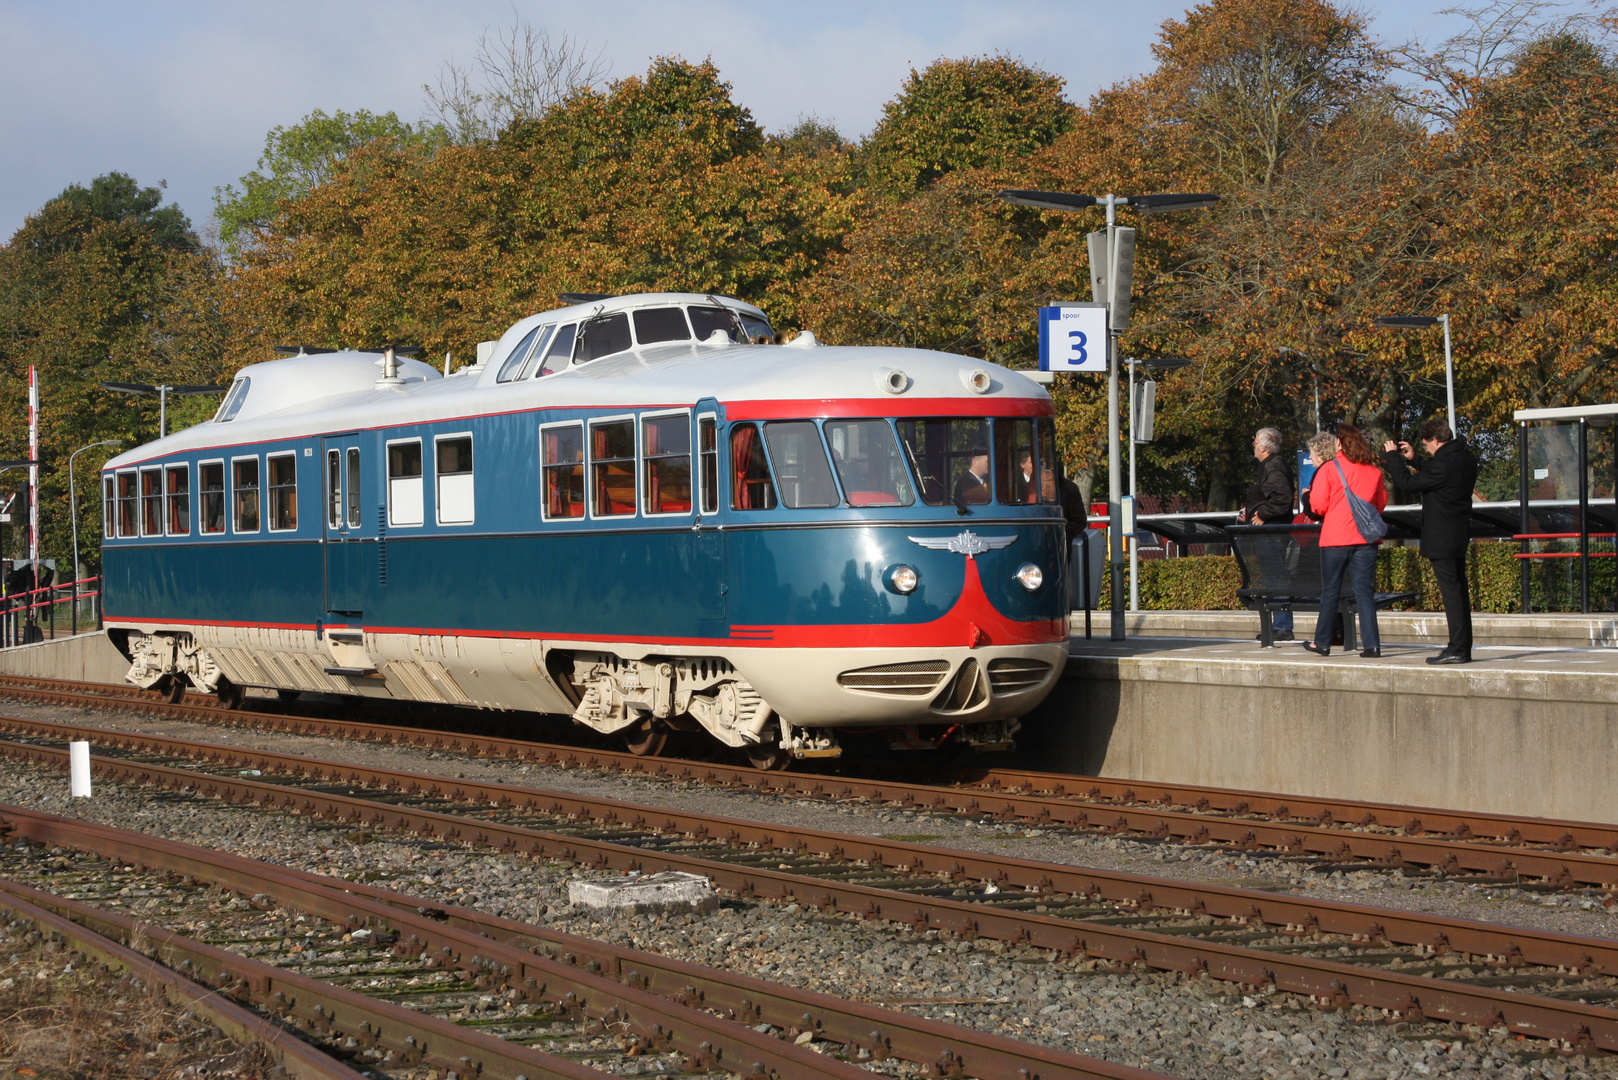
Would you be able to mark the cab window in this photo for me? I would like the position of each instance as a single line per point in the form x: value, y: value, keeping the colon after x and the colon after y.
x: 653, y: 325
x: 604, y: 337
x: 951, y: 458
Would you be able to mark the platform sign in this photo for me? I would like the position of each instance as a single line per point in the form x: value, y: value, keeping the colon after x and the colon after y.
x: 1073, y: 337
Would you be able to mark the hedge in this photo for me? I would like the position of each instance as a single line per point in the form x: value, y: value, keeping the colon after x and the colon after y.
x: 1209, y: 582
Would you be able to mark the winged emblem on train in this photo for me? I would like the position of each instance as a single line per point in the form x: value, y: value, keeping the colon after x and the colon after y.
x: 967, y: 543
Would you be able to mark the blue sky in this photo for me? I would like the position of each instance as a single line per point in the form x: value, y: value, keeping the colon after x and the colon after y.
x: 185, y: 90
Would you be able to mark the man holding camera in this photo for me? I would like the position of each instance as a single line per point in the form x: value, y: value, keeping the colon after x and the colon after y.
x: 1445, y: 482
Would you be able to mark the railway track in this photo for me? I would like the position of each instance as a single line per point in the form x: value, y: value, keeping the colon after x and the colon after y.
x: 1331, y: 834
x: 1551, y: 986
x: 338, y: 962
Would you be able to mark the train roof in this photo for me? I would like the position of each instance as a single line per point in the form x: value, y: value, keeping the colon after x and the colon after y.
x: 340, y: 391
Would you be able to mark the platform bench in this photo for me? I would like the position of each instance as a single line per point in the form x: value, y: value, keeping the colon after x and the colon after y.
x: 1280, y: 568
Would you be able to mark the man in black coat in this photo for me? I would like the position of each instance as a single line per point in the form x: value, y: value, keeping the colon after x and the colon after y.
x: 1269, y: 502
x: 1445, y: 482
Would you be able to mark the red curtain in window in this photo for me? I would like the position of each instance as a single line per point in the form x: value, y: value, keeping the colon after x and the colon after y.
x: 553, y: 489
x: 743, y: 444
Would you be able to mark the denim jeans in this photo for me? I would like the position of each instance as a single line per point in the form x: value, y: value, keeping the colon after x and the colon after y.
x: 1359, y: 561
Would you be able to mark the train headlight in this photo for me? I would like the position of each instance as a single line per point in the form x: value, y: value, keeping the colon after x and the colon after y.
x: 902, y: 579
x: 1031, y: 576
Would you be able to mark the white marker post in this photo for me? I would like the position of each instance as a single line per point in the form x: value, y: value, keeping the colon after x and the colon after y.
x: 79, y: 768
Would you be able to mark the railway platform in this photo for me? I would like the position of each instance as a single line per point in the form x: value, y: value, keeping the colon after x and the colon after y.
x: 1526, y: 729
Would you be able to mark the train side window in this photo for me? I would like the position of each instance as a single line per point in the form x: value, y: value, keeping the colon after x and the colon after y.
x: 1016, y: 469
x: 453, y: 474
x: 868, y: 463
x: 653, y: 325
x: 562, y: 448
x: 151, y: 502
x: 612, y: 468
x: 177, y: 490
x: 752, y: 487
x: 799, y: 460
x: 514, y: 362
x: 708, y: 452
x: 211, y: 485
x: 604, y: 337
x: 560, y: 353
x: 404, y: 483
x: 951, y: 458
x: 128, y: 508
x: 244, y: 493
x: 334, y: 489
x: 353, y: 487
x: 283, y: 492
x: 109, y: 509
x: 666, y: 450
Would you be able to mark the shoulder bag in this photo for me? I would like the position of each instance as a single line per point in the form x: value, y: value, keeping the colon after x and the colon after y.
x: 1366, y: 518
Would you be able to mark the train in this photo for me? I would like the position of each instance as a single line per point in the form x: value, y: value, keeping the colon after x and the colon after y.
x: 650, y: 512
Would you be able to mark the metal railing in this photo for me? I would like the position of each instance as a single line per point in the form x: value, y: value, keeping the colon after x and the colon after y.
x: 54, y: 611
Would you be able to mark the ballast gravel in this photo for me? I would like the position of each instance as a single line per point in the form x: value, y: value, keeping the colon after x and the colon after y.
x: 1161, y: 1021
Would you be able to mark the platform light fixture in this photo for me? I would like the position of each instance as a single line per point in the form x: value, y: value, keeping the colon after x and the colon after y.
x: 1116, y: 280
x: 162, y: 393
x: 1421, y: 322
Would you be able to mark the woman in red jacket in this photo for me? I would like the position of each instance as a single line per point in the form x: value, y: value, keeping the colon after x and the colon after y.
x: 1342, y: 548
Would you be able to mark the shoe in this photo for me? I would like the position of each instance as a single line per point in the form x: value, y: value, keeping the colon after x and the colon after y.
x: 1451, y: 658
x: 1371, y: 654
x: 1316, y: 649
x: 1279, y: 635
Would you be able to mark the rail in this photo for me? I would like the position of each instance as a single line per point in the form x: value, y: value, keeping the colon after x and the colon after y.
x: 50, y: 611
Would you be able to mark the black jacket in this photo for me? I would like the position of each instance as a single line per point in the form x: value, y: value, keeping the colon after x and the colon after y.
x: 1444, y: 482
x: 1270, y: 497
x: 1075, y: 514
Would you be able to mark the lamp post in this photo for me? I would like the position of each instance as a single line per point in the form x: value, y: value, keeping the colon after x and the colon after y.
x: 73, y: 497
x: 1117, y: 301
x: 162, y: 393
x: 1422, y: 321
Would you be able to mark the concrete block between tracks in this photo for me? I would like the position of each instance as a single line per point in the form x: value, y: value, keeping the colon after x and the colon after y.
x: 670, y: 892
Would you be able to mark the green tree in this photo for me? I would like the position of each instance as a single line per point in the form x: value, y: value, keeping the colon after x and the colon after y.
x: 302, y: 157
x: 963, y: 114
x: 102, y: 283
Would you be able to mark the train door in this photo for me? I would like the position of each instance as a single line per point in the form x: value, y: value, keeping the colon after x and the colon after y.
x: 350, y: 538
x: 710, y: 542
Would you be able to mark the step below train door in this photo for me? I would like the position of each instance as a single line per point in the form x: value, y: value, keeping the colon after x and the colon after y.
x: 710, y: 542
x: 350, y: 538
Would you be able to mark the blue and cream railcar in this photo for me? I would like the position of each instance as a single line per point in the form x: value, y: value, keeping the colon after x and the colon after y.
x: 631, y: 513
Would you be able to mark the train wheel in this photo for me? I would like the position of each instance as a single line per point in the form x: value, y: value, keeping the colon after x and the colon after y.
x: 230, y: 695
x: 769, y: 755
x: 646, y: 739
x: 175, y: 690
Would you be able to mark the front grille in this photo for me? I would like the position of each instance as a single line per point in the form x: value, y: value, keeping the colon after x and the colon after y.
x: 966, y: 691
x: 1011, y: 674
x: 914, y: 679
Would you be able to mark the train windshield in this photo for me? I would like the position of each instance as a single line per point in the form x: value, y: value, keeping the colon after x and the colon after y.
x: 869, y: 463
x: 739, y: 326
x: 951, y: 458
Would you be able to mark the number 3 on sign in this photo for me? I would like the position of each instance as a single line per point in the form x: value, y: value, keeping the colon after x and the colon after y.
x: 1077, y: 345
